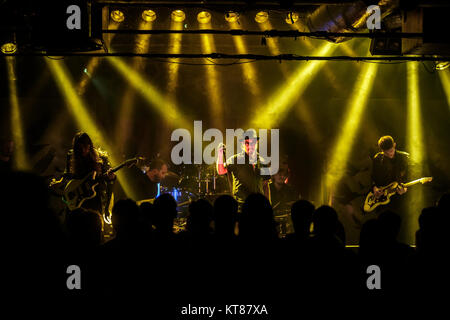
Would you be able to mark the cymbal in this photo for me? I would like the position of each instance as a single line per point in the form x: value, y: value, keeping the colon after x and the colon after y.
x: 170, y: 180
x: 171, y: 174
x: 283, y: 204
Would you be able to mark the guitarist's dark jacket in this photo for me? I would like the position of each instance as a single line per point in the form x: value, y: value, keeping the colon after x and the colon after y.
x: 386, y: 170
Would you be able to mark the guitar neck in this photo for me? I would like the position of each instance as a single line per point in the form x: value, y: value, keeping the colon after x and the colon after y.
x: 412, y: 183
x: 120, y: 166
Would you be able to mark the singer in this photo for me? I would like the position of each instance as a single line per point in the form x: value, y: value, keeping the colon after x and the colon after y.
x: 244, y: 167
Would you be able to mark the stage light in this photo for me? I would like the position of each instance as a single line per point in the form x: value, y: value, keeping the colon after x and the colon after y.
x: 288, y: 93
x: 262, y: 16
x: 9, y: 48
x: 117, y: 16
x: 83, y: 119
x: 178, y: 15
x: 231, y: 16
x: 291, y: 18
x: 204, y: 17
x: 20, y: 156
x: 148, y: 15
x: 442, y: 65
x: 166, y: 108
x: 85, y: 70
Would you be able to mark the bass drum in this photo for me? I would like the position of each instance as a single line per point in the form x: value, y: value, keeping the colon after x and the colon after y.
x: 182, y: 197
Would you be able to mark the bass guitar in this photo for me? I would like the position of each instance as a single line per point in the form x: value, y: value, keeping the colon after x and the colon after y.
x: 372, y: 202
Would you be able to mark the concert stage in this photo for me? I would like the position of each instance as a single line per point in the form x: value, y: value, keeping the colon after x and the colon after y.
x: 210, y: 127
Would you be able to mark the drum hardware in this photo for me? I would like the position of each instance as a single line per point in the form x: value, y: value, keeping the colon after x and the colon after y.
x: 283, y: 223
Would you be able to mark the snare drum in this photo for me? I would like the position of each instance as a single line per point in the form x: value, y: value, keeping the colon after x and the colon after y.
x: 182, y: 197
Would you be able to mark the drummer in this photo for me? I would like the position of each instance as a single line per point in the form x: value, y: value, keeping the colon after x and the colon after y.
x: 150, y: 178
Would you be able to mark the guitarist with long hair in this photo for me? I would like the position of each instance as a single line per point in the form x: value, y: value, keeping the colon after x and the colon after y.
x: 83, y: 159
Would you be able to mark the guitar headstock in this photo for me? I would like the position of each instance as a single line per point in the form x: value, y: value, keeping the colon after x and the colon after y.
x: 132, y: 162
x: 426, y: 180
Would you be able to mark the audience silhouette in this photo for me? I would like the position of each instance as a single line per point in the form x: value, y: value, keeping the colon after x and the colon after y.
x: 221, y: 249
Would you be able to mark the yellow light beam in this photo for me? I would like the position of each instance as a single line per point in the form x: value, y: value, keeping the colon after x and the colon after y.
x: 289, y: 92
x: 344, y: 143
x: 248, y: 69
x: 445, y: 81
x: 272, y: 44
x: 94, y: 62
x: 303, y: 112
x: 142, y: 40
x: 415, y: 133
x: 79, y: 112
x: 175, y: 41
x: 331, y: 74
x: 213, y: 85
x: 174, y: 48
x: 90, y: 68
x: 416, y: 148
x: 168, y: 109
x: 124, y: 123
x: 20, y: 159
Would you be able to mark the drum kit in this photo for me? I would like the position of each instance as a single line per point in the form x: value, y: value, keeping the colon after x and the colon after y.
x: 188, y: 183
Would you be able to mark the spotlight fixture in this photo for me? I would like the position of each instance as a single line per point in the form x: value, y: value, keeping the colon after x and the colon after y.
x: 386, y: 46
x: 117, y: 16
x: 9, y: 48
x: 178, y: 15
x: 262, y: 16
x: 85, y: 70
x: 442, y: 65
x: 204, y: 17
x: 291, y: 18
x: 148, y: 15
x: 231, y: 16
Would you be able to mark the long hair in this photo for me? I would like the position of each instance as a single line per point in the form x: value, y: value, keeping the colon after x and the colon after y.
x: 79, y: 163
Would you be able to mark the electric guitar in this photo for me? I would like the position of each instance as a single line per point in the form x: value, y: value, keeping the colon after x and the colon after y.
x: 372, y: 202
x: 77, y: 191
